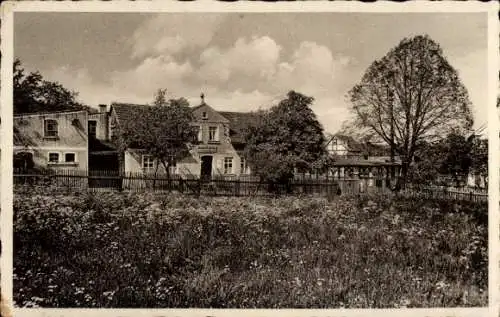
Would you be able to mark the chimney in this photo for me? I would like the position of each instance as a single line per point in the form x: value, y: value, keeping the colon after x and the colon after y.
x: 102, y: 108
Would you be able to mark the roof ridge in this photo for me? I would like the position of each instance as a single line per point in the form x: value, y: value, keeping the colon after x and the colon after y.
x: 47, y: 113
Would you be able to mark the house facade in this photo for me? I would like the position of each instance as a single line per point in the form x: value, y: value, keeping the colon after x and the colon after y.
x: 218, y: 152
x: 341, y: 146
x: 51, y: 140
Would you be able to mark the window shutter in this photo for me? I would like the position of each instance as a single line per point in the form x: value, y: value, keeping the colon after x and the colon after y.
x: 220, y: 163
x: 200, y: 133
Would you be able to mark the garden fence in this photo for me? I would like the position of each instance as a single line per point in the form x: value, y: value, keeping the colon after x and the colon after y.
x: 244, y: 185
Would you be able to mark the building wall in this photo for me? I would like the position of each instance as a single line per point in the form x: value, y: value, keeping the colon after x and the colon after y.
x: 219, y: 149
x: 338, y: 147
x: 132, y: 162
x: 102, y: 125
x: 190, y: 166
x: 71, y: 138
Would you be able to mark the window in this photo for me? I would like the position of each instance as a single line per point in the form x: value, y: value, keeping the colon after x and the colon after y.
x: 212, y: 134
x: 92, y: 129
x: 200, y: 134
x: 69, y: 157
x: 243, y: 166
x: 172, y: 169
x: 53, y: 157
x: 50, y: 128
x: 204, y: 115
x: 228, y: 165
x: 148, y: 163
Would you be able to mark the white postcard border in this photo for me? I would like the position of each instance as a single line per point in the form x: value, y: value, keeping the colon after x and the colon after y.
x: 8, y: 9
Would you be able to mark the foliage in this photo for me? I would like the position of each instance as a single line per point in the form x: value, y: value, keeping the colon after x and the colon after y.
x: 288, y: 136
x: 409, y: 96
x: 479, y: 157
x: 456, y: 155
x: 157, y: 250
x: 32, y: 93
x: 164, y: 130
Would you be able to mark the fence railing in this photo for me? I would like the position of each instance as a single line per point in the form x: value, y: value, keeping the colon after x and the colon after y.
x: 244, y: 185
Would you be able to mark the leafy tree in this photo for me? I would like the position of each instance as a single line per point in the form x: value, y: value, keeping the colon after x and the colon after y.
x: 456, y: 155
x: 426, y: 165
x: 32, y: 93
x: 456, y: 151
x: 164, y: 130
x: 287, y: 137
x: 409, y: 96
x: 479, y: 157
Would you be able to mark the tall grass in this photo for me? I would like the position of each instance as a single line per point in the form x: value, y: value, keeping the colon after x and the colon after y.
x: 150, y: 250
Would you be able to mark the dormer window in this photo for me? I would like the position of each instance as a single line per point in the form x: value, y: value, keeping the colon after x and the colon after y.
x: 204, y: 115
x: 50, y: 128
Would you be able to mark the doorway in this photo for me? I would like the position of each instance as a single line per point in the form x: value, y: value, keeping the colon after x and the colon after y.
x: 206, y: 167
x: 23, y: 162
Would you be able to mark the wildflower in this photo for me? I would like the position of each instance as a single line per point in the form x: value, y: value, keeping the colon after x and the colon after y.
x: 79, y: 290
x: 297, y: 281
x: 441, y: 285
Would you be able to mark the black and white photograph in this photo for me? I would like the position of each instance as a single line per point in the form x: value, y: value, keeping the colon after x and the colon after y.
x: 240, y: 159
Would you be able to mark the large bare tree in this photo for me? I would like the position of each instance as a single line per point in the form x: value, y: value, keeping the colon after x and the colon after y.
x: 409, y: 96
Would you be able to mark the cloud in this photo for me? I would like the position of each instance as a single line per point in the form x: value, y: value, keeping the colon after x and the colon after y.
x: 238, y: 100
x: 331, y: 112
x: 312, y: 69
x: 255, y: 58
x: 160, y: 34
x: 251, y: 73
x: 90, y: 91
x: 152, y: 74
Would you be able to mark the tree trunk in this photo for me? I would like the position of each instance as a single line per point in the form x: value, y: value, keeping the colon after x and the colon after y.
x: 155, y: 175
x: 401, y: 181
x: 167, y: 170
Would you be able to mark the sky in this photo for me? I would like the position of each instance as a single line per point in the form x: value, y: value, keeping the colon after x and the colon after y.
x: 241, y: 62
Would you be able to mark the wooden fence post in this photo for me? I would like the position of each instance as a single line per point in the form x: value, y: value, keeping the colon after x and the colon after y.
x: 237, y: 187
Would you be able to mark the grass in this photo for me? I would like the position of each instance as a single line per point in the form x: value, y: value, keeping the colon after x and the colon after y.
x: 150, y: 250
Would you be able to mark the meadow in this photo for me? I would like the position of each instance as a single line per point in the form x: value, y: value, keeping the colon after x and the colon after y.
x: 169, y: 250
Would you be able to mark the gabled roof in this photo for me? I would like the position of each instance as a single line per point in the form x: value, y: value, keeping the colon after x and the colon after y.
x: 213, y: 115
x: 127, y: 112
x: 356, y: 146
x: 353, y: 145
x: 47, y: 113
x: 238, y: 122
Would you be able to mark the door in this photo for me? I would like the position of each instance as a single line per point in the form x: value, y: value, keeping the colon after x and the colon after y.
x: 206, y: 167
x: 23, y: 162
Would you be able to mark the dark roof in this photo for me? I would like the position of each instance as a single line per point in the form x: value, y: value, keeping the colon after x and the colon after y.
x: 353, y: 145
x: 238, y: 123
x: 377, y: 149
x: 128, y: 112
x: 20, y: 139
x: 46, y: 113
x: 363, y: 163
x: 369, y: 148
x: 96, y: 145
